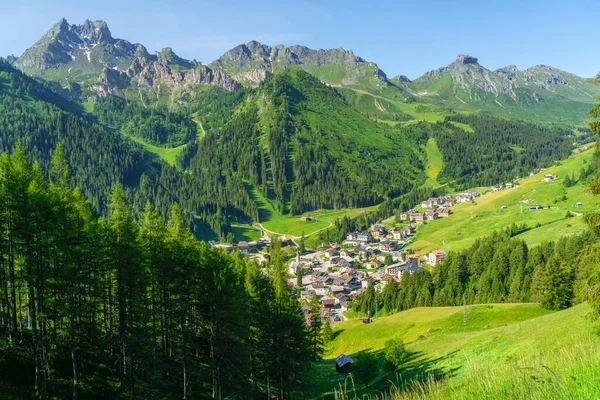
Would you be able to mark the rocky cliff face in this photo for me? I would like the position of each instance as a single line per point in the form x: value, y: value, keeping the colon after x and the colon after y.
x: 253, y: 62
x: 154, y: 76
x: 83, y: 53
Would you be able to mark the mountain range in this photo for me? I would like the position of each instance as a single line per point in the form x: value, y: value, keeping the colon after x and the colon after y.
x: 87, y: 61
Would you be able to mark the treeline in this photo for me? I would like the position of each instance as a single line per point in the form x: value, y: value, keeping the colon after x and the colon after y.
x: 156, y: 125
x: 498, y: 150
x: 40, y: 119
x: 495, y: 269
x: 105, y: 307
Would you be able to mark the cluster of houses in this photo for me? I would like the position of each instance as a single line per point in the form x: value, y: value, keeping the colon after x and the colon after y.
x: 337, y: 288
x: 507, y: 185
x: 437, y: 207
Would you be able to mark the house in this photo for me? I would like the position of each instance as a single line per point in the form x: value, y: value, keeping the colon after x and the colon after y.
x: 436, y: 257
x: 378, y: 231
x: 508, y: 185
x: 389, y: 245
x: 343, y: 364
x: 372, y: 264
x: 328, y: 303
x: 430, y: 214
x: 549, y: 177
x: 335, y: 290
x: 366, y: 282
x: 392, y: 269
x: 496, y: 188
x: 534, y: 207
x: 346, y: 253
x: 432, y: 202
x: 366, y: 320
x: 357, y: 239
x: 414, y: 258
x: 467, y: 196
x: 416, y: 216
x: 395, y: 233
x: 443, y: 212
x: 244, y: 248
x: 319, y: 288
x: 332, y: 253
x: 346, y: 262
x: 408, y: 268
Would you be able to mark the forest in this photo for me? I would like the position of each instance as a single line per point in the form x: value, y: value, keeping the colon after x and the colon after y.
x: 155, y: 125
x: 496, y: 269
x: 30, y: 112
x: 104, y: 307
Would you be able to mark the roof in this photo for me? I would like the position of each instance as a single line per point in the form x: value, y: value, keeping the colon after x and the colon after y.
x: 438, y: 252
x: 328, y: 302
x: 343, y: 359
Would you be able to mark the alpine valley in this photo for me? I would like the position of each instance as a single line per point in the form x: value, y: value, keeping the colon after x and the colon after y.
x: 113, y: 153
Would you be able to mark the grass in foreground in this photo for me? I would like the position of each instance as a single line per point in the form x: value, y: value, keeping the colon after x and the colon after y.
x: 503, y: 351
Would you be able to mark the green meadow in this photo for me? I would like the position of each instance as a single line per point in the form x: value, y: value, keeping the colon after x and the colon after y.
x: 493, y: 355
x: 480, y: 218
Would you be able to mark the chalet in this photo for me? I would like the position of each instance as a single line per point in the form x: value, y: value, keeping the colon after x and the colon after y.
x: 403, y: 216
x: 343, y: 364
x: 416, y: 216
x: 496, y: 188
x: 346, y: 253
x: 508, y: 185
x: 372, y: 264
x: 443, y: 212
x: 430, y: 214
x: 357, y: 239
x: 366, y: 282
x: 320, y: 288
x: 436, y: 257
x: 328, y: 303
x: 388, y: 245
x: 244, y: 248
x: 430, y: 203
x: 414, y: 258
x: 372, y: 252
x: 549, y: 177
x: 467, y: 196
x: 344, y: 306
x: 378, y: 231
x: 346, y: 262
x: 332, y: 253
x: 335, y: 290
x: 346, y: 280
x: 395, y: 233
x: 534, y: 207
x: 408, y: 267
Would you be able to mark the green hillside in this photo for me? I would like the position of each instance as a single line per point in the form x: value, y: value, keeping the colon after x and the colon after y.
x: 496, y: 352
x: 470, y: 221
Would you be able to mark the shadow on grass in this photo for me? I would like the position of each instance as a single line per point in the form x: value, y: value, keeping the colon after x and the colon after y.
x: 371, y: 376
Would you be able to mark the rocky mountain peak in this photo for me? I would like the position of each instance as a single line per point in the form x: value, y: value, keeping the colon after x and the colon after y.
x: 466, y: 59
x: 95, y: 31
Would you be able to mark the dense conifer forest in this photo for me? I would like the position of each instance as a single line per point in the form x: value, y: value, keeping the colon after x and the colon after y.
x: 106, y: 307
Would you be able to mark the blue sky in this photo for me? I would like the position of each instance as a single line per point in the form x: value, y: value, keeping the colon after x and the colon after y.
x: 402, y: 37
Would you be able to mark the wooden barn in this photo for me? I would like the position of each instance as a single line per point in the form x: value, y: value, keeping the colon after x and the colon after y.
x: 343, y: 364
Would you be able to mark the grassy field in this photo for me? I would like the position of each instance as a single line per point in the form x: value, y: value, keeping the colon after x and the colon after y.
x: 472, y: 220
x: 434, y: 163
x: 274, y: 221
x: 169, y: 154
x: 245, y: 233
x: 499, y: 343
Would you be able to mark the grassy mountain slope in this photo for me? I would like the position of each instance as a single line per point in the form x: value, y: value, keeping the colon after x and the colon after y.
x: 495, y: 354
x: 472, y: 220
x: 305, y: 148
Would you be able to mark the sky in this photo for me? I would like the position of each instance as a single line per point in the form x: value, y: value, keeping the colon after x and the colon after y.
x: 402, y: 37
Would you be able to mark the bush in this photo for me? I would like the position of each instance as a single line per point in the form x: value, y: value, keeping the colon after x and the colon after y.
x: 365, y: 368
x: 395, y: 353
